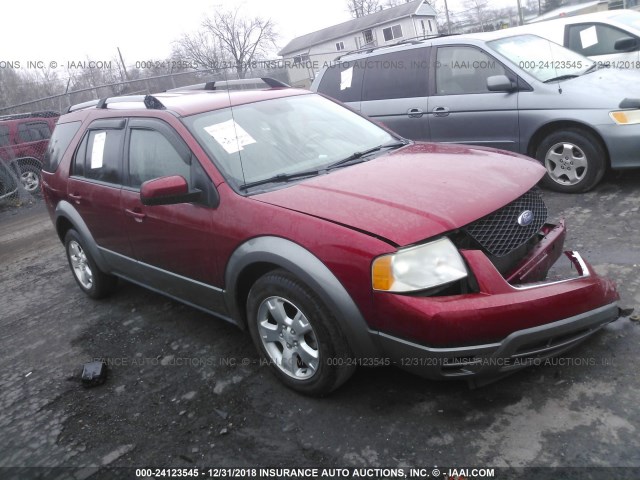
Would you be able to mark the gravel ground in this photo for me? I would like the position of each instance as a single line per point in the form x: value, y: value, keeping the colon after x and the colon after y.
x: 186, y: 390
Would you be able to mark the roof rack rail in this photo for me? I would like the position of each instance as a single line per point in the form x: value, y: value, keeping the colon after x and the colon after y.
x: 42, y: 114
x: 406, y: 41
x: 249, y: 83
x: 149, y: 101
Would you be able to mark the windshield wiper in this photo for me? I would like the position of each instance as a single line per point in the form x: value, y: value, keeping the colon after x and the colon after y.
x: 281, y: 177
x: 360, y: 155
x: 561, y: 77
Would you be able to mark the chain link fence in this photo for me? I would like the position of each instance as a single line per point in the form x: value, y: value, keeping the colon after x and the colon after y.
x: 26, y: 127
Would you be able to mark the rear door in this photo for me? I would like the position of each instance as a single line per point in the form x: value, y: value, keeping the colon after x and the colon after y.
x: 95, y: 183
x: 462, y: 109
x: 395, y: 94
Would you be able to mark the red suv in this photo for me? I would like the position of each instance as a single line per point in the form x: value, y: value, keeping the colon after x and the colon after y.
x: 23, y: 141
x: 335, y: 242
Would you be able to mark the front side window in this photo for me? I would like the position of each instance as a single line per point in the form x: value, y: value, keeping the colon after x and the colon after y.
x: 151, y: 156
x: 594, y: 39
x: 282, y: 136
x: 464, y: 70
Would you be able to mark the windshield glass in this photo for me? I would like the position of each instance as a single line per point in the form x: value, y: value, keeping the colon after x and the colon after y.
x: 541, y: 58
x: 630, y: 18
x: 282, y: 136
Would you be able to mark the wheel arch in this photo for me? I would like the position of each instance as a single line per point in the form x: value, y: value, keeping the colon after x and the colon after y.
x: 66, y: 218
x: 260, y: 255
x: 558, y: 125
x: 28, y: 161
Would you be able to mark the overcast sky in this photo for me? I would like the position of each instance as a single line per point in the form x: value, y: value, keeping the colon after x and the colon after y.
x: 72, y: 30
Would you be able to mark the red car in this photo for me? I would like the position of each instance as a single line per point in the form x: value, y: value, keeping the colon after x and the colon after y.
x: 23, y: 141
x: 333, y: 241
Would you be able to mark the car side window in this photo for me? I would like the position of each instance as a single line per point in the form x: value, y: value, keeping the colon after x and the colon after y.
x: 4, y: 135
x: 152, y: 155
x: 99, y: 156
x: 464, y: 70
x: 343, y: 81
x: 592, y: 39
x: 33, y: 132
x: 396, y: 75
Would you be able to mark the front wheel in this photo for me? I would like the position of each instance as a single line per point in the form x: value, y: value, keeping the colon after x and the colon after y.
x: 575, y: 161
x: 296, y: 335
x: 88, y: 276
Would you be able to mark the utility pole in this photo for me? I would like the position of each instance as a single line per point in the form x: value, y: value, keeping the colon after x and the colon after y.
x: 446, y: 11
x: 520, y: 17
x: 124, y: 67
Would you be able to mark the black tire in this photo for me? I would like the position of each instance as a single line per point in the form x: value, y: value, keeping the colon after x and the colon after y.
x: 281, y: 294
x: 88, y: 276
x: 30, y: 178
x: 575, y: 161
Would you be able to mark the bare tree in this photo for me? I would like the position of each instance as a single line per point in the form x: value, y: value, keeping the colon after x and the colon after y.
x: 360, y: 8
x: 476, y: 12
x: 202, y: 49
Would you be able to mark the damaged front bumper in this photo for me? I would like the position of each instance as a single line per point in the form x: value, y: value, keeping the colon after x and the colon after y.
x: 511, y: 322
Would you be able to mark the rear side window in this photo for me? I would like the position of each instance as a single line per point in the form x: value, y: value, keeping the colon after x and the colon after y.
x: 100, y: 156
x: 4, y: 135
x: 33, y: 132
x: 62, y: 135
x: 396, y: 75
x: 343, y: 81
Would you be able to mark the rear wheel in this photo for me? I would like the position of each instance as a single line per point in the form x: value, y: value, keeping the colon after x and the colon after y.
x: 30, y: 177
x: 297, y: 336
x: 575, y: 161
x: 88, y: 276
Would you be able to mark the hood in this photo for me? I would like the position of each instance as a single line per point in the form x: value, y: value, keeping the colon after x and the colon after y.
x: 603, y: 88
x: 413, y: 193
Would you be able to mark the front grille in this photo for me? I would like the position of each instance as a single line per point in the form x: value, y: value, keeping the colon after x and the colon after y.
x: 499, y: 232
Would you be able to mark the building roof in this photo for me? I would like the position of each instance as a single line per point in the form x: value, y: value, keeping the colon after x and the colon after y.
x: 356, y: 25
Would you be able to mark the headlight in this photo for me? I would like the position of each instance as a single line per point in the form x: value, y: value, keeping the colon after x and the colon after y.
x: 418, y: 268
x: 625, y: 117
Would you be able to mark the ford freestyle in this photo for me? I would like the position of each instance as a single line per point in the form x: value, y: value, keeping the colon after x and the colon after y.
x: 333, y: 241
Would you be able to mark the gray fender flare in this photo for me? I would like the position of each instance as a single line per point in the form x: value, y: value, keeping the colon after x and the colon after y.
x: 66, y: 210
x: 310, y: 270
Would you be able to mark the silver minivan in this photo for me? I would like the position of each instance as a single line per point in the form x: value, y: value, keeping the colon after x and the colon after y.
x: 521, y: 93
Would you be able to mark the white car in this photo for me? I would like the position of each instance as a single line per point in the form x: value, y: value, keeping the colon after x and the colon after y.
x: 611, y: 36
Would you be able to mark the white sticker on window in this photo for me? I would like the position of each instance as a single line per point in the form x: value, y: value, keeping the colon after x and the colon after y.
x: 231, y: 136
x: 97, y: 152
x: 346, y: 77
x: 588, y: 37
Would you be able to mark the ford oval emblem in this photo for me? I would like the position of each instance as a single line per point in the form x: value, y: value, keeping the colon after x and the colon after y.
x: 525, y: 218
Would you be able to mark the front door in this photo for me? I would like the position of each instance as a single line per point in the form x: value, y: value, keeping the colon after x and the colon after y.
x: 462, y: 109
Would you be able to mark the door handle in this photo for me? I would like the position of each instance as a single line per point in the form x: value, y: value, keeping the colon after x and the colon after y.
x: 75, y: 197
x: 441, y: 111
x: 414, y: 113
x: 137, y: 216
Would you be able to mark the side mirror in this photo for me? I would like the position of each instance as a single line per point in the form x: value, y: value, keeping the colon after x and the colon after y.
x: 626, y: 44
x: 500, y: 83
x: 167, y: 191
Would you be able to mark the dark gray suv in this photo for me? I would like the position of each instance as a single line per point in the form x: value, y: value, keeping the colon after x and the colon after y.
x: 514, y: 92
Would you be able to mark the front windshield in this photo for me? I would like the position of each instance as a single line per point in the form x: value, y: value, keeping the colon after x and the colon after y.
x: 282, y: 136
x: 541, y: 58
x: 628, y: 17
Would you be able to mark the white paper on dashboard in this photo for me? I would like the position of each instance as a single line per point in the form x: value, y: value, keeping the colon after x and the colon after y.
x: 97, y: 152
x: 231, y: 136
